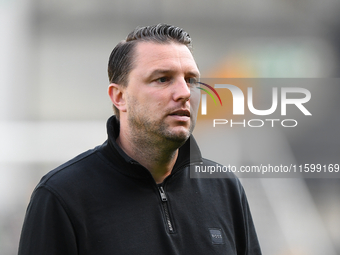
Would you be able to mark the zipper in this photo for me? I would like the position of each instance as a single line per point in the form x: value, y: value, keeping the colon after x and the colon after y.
x: 165, y: 207
x: 164, y: 199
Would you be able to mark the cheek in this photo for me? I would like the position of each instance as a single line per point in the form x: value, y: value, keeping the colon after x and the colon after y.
x: 158, y: 98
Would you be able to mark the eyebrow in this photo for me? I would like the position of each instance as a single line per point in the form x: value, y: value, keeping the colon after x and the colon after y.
x: 169, y: 71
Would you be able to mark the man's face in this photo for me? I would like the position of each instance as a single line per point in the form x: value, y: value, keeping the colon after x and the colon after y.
x: 161, y: 97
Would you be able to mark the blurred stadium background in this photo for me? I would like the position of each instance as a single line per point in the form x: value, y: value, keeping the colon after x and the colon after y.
x: 53, y: 101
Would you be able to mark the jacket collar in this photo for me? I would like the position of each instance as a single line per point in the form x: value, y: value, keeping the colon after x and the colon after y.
x: 189, y: 153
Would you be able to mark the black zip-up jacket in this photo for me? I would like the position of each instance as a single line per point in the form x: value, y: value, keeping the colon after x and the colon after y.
x: 104, y: 203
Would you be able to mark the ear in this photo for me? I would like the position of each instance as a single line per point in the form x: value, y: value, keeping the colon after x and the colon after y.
x: 116, y: 93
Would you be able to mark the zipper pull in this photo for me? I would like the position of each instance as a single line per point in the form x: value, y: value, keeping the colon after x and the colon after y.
x: 162, y: 193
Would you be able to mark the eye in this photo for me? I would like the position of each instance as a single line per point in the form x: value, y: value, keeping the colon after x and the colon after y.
x: 163, y: 79
x: 193, y: 82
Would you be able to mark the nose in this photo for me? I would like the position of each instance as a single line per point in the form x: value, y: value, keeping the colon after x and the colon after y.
x: 181, y: 90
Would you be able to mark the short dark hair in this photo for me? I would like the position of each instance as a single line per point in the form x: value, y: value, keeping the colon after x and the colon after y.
x: 120, y: 61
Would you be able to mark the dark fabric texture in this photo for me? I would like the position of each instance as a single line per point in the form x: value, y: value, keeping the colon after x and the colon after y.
x: 104, y: 203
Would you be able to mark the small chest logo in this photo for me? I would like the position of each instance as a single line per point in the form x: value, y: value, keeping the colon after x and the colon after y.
x: 216, y: 235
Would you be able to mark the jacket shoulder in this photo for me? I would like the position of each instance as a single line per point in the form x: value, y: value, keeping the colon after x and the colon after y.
x: 72, y: 171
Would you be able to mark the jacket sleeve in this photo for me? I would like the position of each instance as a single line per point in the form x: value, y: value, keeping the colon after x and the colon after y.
x: 253, y: 246
x: 47, y: 228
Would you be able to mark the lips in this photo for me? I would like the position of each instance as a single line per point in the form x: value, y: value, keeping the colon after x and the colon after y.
x: 181, y: 112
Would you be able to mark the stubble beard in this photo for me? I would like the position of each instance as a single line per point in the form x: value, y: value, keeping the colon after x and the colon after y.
x: 148, y: 132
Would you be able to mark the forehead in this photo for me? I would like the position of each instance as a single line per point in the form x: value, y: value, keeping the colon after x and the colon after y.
x: 171, y: 55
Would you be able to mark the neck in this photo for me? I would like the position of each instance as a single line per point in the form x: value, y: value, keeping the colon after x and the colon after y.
x: 156, y: 155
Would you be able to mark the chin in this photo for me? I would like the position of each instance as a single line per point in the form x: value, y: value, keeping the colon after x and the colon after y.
x: 179, y: 137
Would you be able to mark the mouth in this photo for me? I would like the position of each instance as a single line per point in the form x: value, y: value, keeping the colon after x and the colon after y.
x: 181, y: 114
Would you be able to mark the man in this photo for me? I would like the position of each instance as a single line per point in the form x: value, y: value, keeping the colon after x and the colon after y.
x: 133, y: 194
